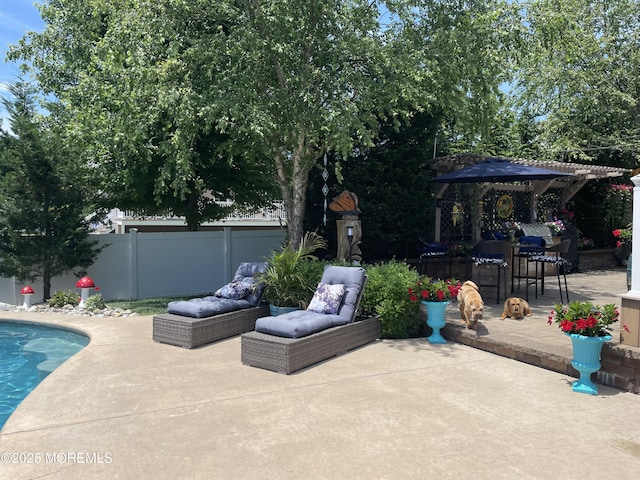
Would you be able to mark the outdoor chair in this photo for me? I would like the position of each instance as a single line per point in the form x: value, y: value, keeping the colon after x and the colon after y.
x: 527, y: 247
x: 552, y: 255
x: 434, y: 253
x: 231, y: 310
x: 328, y: 327
x: 492, y: 255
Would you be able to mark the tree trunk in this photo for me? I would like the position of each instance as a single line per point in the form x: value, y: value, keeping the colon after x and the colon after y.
x: 46, y: 284
x: 294, y: 189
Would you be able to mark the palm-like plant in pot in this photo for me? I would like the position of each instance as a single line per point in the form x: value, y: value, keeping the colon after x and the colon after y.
x: 287, y: 281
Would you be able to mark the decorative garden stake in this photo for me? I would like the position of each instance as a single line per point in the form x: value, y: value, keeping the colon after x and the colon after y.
x: 27, y: 292
x: 85, y: 284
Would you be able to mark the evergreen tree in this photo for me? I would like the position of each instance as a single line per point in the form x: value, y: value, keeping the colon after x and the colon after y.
x: 43, y: 222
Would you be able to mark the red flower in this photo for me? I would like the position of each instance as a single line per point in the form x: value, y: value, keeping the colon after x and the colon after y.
x: 434, y: 290
x: 584, y: 318
x: 566, y: 325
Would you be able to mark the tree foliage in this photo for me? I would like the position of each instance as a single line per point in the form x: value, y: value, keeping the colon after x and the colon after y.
x: 176, y: 98
x: 578, y: 73
x: 395, y: 196
x: 137, y: 82
x: 43, y: 200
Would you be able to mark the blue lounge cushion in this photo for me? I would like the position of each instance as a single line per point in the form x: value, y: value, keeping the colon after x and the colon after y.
x: 211, y: 305
x: 301, y: 323
x: 206, y: 306
x: 298, y: 323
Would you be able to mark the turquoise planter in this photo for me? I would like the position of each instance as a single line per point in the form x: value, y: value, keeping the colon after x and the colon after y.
x: 586, y: 360
x: 275, y: 311
x: 436, y: 320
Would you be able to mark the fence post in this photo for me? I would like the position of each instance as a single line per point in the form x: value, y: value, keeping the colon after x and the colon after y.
x: 133, y: 264
x: 227, y: 253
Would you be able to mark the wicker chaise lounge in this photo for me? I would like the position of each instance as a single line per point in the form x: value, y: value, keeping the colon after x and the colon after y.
x: 296, y: 340
x: 199, y: 321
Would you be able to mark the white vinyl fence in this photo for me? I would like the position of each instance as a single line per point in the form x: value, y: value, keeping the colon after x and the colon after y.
x: 144, y: 265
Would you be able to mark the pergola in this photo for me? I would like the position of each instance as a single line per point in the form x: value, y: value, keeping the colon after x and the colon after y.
x: 569, y: 186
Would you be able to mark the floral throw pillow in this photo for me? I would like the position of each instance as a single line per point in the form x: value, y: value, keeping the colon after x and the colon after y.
x: 234, y: 290
x: 327, y: 298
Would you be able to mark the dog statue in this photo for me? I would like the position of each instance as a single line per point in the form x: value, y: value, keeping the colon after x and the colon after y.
x: 515, y: 308
x: 470, y: 304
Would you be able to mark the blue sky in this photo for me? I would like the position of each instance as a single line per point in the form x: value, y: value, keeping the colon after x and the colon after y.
x: 16, y: 18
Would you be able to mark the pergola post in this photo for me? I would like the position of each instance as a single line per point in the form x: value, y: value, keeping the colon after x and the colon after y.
x: 630, y: 312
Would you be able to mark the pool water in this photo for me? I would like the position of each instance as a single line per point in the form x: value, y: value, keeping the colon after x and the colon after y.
x: 28, y: 353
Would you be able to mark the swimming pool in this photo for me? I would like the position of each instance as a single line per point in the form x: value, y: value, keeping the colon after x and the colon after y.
x: 28, y: 353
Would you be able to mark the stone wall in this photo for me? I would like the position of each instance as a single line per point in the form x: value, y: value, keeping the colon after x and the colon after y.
x: 620, y: 363
x: 620, y: 367
x: 597, y: 259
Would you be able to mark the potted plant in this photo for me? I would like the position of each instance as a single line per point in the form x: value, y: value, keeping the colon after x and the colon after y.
x: 589, y: 326
x: 435, y: 294
x: 287, y: 283
x: 623, y: 235
x: 556, y: 226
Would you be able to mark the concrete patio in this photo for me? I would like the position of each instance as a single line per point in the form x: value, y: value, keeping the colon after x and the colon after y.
x: 126, y: 407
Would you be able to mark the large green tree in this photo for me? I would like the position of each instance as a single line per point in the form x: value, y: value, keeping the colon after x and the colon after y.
x: 280, y: 82
x: 44, y: 207
x: 579, y: 74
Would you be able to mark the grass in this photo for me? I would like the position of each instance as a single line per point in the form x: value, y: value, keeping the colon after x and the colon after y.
x: 146, y: 306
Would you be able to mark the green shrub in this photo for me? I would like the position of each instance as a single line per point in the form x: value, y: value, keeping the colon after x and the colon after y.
x: 310, y: 273
x: 386, y: 295
x: 64, y: 297
x: 95, y: 302
x: 287, y: 281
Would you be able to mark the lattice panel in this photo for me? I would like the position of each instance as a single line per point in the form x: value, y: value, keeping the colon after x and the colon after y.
x: 457, y: 214
x: 499, y: 206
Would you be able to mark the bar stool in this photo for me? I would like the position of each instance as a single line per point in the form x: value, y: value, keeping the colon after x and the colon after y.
x: 492, y: 253
x: 552, y: 255
x: 528, y: 246
x: 434, y: 252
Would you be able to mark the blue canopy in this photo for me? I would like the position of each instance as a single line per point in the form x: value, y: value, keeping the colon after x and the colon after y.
x: 495, y: 170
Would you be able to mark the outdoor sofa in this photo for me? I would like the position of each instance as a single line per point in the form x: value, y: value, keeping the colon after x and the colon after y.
x: 232, y: 310
x: 295, y: 340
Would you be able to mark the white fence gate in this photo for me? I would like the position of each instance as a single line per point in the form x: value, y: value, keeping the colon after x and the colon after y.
x: 145, y: 265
